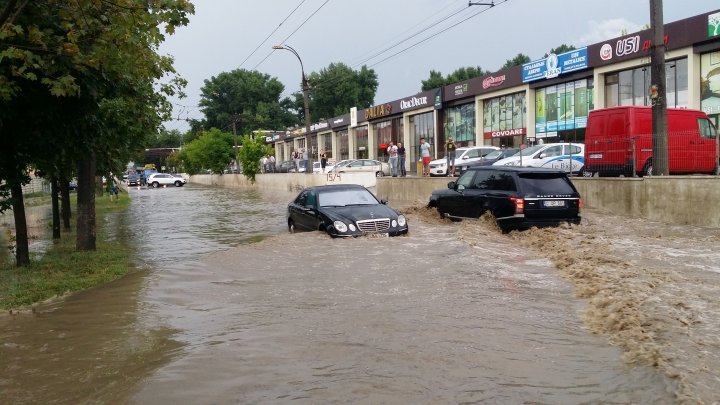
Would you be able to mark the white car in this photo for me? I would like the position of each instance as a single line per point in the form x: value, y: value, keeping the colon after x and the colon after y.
x: 564, y: 156
x: 165, y: 179
x: 363, y: 165
x: 317, y: 168
x: 463, y: 156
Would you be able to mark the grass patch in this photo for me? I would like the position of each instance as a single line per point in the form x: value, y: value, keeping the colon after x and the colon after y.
x: 62, y: 270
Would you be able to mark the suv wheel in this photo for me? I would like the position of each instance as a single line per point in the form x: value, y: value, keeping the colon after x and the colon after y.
x: 178, y: 183
x: 379, y: 174
x: 155, y: 184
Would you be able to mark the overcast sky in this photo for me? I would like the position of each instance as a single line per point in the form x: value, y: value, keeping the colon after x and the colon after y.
x: 223, y: 33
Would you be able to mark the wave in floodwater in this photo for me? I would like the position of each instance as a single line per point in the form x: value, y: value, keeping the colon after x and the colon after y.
x: 651, y: 289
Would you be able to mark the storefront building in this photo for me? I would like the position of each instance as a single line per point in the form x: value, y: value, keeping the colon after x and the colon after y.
x: 546, y: 100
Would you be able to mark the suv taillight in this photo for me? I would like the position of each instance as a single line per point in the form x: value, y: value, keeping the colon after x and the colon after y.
x: 519, y: 205
x: 579, y: 203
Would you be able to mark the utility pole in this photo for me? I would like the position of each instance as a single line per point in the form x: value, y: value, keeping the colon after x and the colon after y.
x: 237, y: 163
x: 657, y: 90
x: 306, y: 90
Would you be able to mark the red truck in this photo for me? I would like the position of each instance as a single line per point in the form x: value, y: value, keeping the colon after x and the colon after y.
x: 618, y: 141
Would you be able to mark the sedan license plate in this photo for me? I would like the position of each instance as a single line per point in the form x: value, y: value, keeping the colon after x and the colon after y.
x: 554, y: 203
x: 378, y: 235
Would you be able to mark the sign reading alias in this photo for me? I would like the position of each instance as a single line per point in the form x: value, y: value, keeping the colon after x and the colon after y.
x: 555, y: 65
x: 378, y: 111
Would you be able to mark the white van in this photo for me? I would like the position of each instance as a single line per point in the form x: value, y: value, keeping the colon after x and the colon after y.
x: 463, y: 156
x: 564, y: 156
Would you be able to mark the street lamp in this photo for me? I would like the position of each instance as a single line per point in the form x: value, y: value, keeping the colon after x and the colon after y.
x: 305, y: 89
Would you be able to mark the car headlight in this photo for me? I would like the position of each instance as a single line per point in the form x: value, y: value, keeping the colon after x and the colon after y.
x: 401, y: 220
x: 340, y: 226
x: 393, y: 223
x: 443, y: 164
x: 352, y: 227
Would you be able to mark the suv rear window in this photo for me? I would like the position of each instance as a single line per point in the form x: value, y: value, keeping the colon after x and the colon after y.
x: 545, y: 183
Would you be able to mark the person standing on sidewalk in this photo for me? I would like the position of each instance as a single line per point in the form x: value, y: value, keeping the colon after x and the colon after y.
x: 450, y: 149
x: 425, y: 154
x: 392, y: 151
x: 401, y: 159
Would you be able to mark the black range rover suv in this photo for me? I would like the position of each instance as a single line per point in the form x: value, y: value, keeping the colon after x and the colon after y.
x: 518, y: 197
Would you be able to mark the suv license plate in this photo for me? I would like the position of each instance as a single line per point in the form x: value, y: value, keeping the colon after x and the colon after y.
x: 554, y: 203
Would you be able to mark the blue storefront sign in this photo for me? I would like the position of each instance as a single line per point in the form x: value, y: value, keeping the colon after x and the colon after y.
x: 555, y: 65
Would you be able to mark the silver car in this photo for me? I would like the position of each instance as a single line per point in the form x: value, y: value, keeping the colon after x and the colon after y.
x: 363, y: 165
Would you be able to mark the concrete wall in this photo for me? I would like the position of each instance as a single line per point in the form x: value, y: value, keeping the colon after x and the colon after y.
x: 685, y: 200
x: 284, y: 181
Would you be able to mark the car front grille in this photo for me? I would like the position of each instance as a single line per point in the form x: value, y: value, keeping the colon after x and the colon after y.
x: 374, y: 225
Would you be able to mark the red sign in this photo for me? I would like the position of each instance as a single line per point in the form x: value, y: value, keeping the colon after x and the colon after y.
x: 505, y: 133
x: 493, y: 81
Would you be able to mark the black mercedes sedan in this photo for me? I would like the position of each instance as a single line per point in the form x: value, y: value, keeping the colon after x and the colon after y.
x: 344, y: 210
x: 518, y: 197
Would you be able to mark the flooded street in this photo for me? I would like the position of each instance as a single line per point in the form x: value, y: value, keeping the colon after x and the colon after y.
x: 227, y: 307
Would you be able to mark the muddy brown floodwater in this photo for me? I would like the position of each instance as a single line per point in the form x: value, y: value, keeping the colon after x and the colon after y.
x: 229, y: 308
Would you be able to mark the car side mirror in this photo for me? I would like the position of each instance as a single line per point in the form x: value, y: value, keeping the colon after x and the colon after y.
x: 464, y: 157
x: 541, y: 156
x: 384, y: 202
x: 452, y: 185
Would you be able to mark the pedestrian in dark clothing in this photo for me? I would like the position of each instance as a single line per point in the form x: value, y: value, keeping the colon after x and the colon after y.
x: 401, y: 159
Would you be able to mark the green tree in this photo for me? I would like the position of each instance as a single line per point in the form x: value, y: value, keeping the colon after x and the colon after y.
x: 518, y: 60
x: 337, y: 88
x: 212, y: 150
x: 435, y: 80
x: 88, y: 69
x: 461, y: 74
x: 252, y: 150
x: 249, y: 99
x: 560, y: 49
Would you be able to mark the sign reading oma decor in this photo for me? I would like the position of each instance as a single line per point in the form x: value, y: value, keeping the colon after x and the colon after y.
x: 413, y: 102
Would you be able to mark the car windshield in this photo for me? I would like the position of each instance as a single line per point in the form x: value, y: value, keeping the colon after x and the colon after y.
x: 546, y: 183
x: 342, y: 198
x: 531, y: 150
x: 494, y: 154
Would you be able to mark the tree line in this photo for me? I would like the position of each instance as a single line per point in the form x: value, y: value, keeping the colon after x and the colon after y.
x: 77, y: 95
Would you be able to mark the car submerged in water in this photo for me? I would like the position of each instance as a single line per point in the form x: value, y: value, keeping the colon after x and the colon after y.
x: 518, y: 197
x: 344, y: 210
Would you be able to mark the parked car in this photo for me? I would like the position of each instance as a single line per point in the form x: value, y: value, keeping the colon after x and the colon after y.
x: 463, y: 156
x: 72, y: 184
x: 165, y: 179
x: 364, y: 165
x: 569, y: 157
x: 317, y: 168
x: 133, y: 180
x: 344, y: 210
x: 285, y: 166
x: 490, y: 158
x: 518, y: 197
x: 619, y: 141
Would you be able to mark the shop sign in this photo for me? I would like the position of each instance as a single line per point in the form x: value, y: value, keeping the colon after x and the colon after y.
x: 623, y: 47
x: 379, y: 111
x: 318, y: 126
x: 714, y: 25
x: 353, y: 117
x: 438, y: 98
x: 411, y: 103
x: 461, y: 89
x: 555, y: 65
x: 648, y: 43
x: 493, y: 81
x: 505, y: 133
x: 339, y: 121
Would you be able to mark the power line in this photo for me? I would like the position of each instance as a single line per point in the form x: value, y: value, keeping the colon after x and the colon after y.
x: 431, y: 25
x: 292, y: 33
x: 336, y: 80
x: 436, y: 34
x: 273, y: 31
